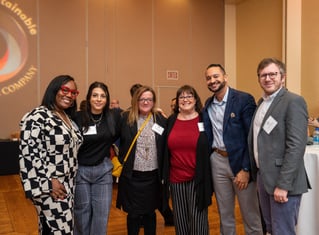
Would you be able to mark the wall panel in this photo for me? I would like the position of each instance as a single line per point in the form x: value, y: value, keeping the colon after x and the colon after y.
x: 259, y: 35
x: 310, y: 56
x: 119, y: 43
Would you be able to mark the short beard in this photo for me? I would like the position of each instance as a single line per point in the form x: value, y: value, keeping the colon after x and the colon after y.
x: 221, y: 86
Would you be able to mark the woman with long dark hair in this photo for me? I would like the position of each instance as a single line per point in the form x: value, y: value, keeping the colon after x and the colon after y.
x: 93, y: 194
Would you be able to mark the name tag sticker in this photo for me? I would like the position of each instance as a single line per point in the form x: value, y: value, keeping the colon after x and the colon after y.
x: 201, y: 126
x: 158, y: 129
x: 270, y: 124
x: 91, y: 131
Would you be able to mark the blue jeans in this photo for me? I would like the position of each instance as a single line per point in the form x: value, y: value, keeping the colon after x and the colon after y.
x: 280, y: 218
x: 93, y: 198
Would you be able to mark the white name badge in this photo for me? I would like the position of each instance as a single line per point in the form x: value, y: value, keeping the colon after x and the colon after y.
x: 158, y: 129
x: 201, y: 126
x: 270, y: 124
x: 91, y: 131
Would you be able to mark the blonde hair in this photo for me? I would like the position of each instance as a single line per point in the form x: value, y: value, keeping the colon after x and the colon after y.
x: 134, y: 111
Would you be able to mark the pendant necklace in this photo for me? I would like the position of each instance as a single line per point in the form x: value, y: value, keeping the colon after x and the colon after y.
x: 96, y: 121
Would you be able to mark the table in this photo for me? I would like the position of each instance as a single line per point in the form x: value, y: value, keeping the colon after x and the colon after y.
x: 308, y: 221
x: 9, y: 157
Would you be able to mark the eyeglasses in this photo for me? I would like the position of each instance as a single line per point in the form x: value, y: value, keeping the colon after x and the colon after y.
x: 270, y: 75
x: 65, y: 90
x: 143, y: 100
x: 188, y: 97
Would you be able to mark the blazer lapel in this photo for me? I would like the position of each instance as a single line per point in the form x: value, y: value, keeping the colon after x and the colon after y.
x: 229, y: 107
x: 274, y: 104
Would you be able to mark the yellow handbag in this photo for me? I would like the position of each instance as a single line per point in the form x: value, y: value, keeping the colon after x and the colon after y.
x: 117, y: 166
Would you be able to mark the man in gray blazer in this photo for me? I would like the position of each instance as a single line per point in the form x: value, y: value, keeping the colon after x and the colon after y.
x: 277, y: 141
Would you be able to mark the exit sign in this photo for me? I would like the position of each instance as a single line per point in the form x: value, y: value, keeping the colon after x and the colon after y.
x: 172, y: 75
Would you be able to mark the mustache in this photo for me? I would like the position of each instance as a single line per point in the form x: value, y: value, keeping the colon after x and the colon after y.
x: 214, y: 83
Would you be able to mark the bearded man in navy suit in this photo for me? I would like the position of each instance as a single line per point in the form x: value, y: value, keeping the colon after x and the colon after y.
x: 227, y: 117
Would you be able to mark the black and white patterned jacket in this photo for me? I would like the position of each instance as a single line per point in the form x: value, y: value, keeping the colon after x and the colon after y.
x: 48, y: 149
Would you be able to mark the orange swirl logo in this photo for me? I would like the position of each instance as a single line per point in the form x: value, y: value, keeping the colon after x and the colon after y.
x: 18, y: 51
x: 13, y: 47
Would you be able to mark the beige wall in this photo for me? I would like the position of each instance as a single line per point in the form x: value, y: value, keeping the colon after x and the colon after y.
x: 124, y: 42
x: 310, y: 55
x: 119, y: 43
x: 259, y: 35
x: 282, y: 29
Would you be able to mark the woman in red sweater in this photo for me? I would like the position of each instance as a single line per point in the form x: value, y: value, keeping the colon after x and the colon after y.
x: 186, y: 164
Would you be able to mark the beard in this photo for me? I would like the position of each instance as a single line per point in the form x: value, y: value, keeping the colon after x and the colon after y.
x: 219, y: 88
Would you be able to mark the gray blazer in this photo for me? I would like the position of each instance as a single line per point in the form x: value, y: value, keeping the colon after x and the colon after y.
x: 281, y: 152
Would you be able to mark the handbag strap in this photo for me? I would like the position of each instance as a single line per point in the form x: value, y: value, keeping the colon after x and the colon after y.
x: 136, y: 136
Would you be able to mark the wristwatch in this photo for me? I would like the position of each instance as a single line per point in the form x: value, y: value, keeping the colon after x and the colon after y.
x: 245, y: 169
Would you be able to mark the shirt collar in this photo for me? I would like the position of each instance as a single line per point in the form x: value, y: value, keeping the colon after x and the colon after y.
x: 272, y: 96
x: 215, y: 101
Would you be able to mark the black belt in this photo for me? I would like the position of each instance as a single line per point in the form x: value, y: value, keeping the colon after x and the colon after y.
x: 221, y: 152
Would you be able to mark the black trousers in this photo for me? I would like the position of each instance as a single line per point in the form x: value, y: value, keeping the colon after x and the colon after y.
x: 135, y: 222
x: 45, y: 228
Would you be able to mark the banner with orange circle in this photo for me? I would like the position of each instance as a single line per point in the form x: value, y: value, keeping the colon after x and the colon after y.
x: 18, y: 45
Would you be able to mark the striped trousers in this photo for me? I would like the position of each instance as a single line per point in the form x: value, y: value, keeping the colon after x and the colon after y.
x: 188, y: 219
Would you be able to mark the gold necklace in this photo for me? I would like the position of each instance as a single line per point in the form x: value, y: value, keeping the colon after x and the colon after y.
x: 65, y: 119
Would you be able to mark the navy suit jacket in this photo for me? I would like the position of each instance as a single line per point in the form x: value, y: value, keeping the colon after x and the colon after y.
x: 240, y: 107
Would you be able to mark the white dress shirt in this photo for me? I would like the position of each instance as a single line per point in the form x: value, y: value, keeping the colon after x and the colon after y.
x: 259, y: 117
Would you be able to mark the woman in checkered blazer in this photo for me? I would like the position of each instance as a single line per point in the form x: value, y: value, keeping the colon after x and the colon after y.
x: 48, y: 150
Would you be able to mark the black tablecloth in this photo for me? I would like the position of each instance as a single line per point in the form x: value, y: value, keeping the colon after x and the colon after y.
x: 9, y: 157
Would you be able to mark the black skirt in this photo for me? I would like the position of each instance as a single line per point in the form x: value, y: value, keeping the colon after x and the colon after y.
x: 139, y: 194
